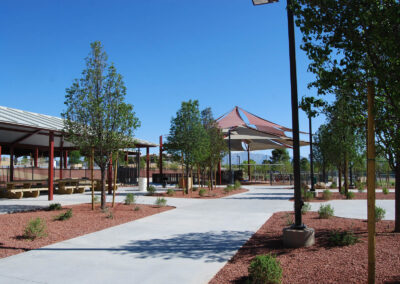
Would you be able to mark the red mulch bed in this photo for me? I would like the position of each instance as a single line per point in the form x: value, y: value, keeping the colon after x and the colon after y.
x: 320, y: 263
x: 211, y: 194
x: 83, y: 221
x: 357, y: 195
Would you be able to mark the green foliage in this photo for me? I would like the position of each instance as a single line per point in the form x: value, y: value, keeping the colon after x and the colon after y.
x: 36, y: 228
x: 379, y: 213
x: 96, y: 199
x: 326, y: 194
x: 237, y: 185
x: 170, y: 192
x: 325, y: 211
x: 306, y: 207
x: 344, y: 238
x: 151, y: 190
x: 96, y: 115
x: 385, y: 190
x: 137, y: 208
x: 160, y: 201
x: 333, y: 185
x: 75, y: 157
x: 360, y: 186
x: 64, y: 216
x: 228, y: 188
x: 265, y: 269
x: 308, y: 195
x: 202, y: 192
x: 54, y: 207
x: 289, y: 219
x: 349, y: 195
x: 130, y: 199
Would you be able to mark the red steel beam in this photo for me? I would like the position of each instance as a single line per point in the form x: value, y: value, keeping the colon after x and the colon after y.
x: 147, y: 165
x: 36, y: 157
x: 51, y: 166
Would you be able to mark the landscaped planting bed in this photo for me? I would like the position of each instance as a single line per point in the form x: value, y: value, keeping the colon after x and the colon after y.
x: 83, y: 221
x: 321, y: 263
x: 208, y: 194
x: 357, y: 195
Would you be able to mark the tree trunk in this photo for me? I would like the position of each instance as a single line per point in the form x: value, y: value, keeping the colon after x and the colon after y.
x: 397, y: 197
x: 346, y: 174
x: 103, y: 187
x: 340, y: 178
x: 323, y: 172
x: 187, y: 179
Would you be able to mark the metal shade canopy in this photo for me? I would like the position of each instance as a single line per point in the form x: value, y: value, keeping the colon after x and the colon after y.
x: 260, y: 2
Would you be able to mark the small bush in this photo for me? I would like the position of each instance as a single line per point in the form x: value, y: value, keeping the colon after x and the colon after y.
x: 36, y: 228
x: 344, y: 238
x: 54, y: 207
x: 151, y: 190
x: 326, y: 194
x: 170, y: 192
x: 160, y: 202
x: 96, y: 199
x: 228, y: 188
x: 349, y: 195
x: 130, y: 199
x: 360, y: 186
x: 379, y: 213
x: 308, y: 195
x: 265, y: 269
x: 385, y: 190
x: 289, y: 219
x: 137, y: 208
x: 64, y: 216
x: 237, y: 185
x: 325, y: 211
x: 195, y: 188
x: 306, y: 207
x: 202, y: 192
x: 333, y: 185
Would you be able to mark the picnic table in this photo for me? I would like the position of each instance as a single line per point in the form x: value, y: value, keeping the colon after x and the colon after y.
x: 20, y: 188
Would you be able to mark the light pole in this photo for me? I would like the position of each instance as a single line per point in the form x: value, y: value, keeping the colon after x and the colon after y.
x: 297, y: 235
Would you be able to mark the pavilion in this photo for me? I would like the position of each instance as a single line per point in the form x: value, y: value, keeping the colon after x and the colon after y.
x: 23, y: 132
x: 256, y: 134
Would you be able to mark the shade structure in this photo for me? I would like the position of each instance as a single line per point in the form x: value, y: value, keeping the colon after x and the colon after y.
x: 257, y: 134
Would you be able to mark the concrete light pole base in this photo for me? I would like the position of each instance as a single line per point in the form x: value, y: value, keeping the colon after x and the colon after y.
x: 296, y: 238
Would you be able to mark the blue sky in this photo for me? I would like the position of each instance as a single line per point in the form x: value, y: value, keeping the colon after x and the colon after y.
x: 223, y: 53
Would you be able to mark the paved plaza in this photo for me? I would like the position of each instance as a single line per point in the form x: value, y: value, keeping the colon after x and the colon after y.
x: 186, y: 245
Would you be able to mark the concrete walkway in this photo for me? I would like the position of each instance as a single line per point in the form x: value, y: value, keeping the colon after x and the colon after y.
x: 186, y: 245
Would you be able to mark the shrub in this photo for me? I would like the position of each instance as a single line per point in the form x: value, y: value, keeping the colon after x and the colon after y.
x: 36, y: 228
x: 54, y: 207
x: 96, y: 199
x: 326, y: 194
x: 265, y: 269
x: 195, y: 188
x: 379, y: 213
x: 349, y: 195
x: 325, y: 211
x: 333, y: 185
x: 289, y: 220
x: 385, y: 190
x: 228, y: 188
x: 151, y: 190
x: 160, y: 201
x: 137, y: 208
x: 170, y: 191
x: 344, y: 238
x: 237, y: 185
x: 202, y: 192
x: 64, y: 216
x: 308, y: 195
x: 130, y: 199
x: 360, y: 186
x: 306, y: 207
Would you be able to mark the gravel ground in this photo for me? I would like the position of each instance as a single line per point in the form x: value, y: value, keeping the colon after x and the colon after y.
x: 83, y: 221
x: 321, y: 263
x: 357, y: 196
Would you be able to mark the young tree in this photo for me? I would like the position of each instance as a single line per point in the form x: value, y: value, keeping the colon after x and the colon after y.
x: 187, y: 138
x: 75, y: 157
x: 96, y: 115
x: 217, y: 147
x: 351, y: 43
